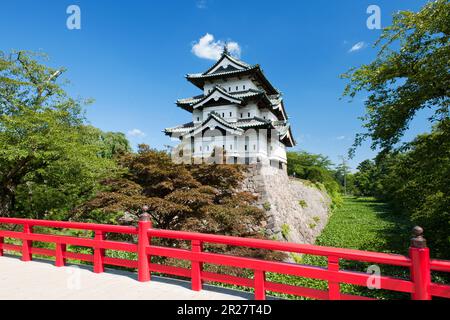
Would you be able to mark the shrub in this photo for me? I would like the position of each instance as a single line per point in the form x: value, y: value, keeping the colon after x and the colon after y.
x: 285, y: 230
x: 303, y: 204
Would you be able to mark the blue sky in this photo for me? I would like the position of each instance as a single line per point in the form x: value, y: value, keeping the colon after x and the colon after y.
x: 131, y: 57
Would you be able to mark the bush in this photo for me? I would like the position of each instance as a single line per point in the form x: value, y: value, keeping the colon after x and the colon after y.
x: 318, y: 170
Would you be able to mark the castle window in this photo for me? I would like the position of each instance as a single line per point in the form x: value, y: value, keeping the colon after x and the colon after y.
x: 254, y: 147
x: 249, y: 114
x: 246, y: 148
x: 223, y: 115
x: 231, y: 114
x: 231, y: 147
x: 242, y: 115
x: 243, y: 86
x: 237, y: 88
x: 229, y: 89
x: 198, y: 118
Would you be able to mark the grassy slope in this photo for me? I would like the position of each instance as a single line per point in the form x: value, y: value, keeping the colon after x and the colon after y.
x: 366, y: 224
x: 363, y: 224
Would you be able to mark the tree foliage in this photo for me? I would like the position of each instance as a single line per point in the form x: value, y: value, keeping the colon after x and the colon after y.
x: 317, y: 169
x: 199, y: 198
x: 196, y: 198
x: 49, y: 160
x: 401, y: 82
x: 415, y: 180
x: 410, y: 73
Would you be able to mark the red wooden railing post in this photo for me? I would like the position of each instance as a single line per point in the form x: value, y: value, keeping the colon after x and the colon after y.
x: 260, y: 285
x: 143, y: 243
x: 334, y: 288
x: 60, y: 251
x: 420, y: 266
x: 99, y: 253
x: 1, y: 246
x: 27, y: 244
x: 196, y: 267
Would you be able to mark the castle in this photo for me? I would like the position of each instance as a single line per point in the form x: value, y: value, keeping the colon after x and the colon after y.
x: 239, y: 112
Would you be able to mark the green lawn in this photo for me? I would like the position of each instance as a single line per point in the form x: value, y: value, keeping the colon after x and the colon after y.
x: 366, y: 224
x: 363, y: 224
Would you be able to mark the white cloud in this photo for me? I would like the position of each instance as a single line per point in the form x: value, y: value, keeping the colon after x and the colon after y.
x: 341, y: 138
x: 358, y: 46
x: 136, y: 133
x: 208, y: 48
x: 202, y: 4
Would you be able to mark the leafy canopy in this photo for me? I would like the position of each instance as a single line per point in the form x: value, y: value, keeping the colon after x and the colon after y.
x: 410, y: 73
x: 49, y: 160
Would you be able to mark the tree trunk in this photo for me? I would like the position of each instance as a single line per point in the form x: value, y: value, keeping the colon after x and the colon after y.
x: 7, y: 201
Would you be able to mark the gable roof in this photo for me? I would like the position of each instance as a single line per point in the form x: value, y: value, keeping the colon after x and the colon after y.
x: 245, y: 95
x: 235, y: 63
x: 217, y: 93
x: 255, y: 72
x: 283, y: 127
x: 272, y: 102
x: 234, y: 68
x: 225, y: 125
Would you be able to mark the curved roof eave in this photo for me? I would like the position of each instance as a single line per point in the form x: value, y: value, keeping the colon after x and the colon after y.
x: 200, y: 79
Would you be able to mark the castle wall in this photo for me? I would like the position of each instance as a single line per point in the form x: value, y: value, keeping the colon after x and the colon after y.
x: 296, y: 212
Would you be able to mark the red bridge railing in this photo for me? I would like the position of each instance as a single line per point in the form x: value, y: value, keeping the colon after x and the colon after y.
x: 419, y: 285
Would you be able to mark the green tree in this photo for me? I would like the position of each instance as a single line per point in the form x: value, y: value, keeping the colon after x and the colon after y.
x: 417, y: 182
x: 49, y: 160
x: 344, y: 177
x: 410, y: 73
x: 315, y: 168
x: 113, y: 144
x: 365, y: 179
x: 196, y: 198
x: 199, y: 198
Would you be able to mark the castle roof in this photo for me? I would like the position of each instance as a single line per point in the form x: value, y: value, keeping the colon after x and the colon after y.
x: 218, y: 94
x: 230, y: 67
x: 283, y: 127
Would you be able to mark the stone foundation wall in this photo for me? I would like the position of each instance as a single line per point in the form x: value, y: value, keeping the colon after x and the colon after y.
x: 296, y: 212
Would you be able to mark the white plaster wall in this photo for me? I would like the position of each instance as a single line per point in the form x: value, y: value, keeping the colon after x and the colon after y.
x: 197, y: 116
x: 251, y: 144
x: 231, y: 85
x: 251, y: 108
x: 223, y: 110
x: 278, y: 151
x: 268, y: 115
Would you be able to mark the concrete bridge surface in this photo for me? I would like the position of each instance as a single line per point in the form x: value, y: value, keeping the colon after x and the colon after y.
x: 41, y: 280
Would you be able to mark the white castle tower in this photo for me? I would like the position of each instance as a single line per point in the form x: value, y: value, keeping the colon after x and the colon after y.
x: 239, y: 112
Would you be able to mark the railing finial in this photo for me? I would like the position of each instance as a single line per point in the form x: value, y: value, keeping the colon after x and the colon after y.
x: 418, y: 241
x: 145, y: 216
